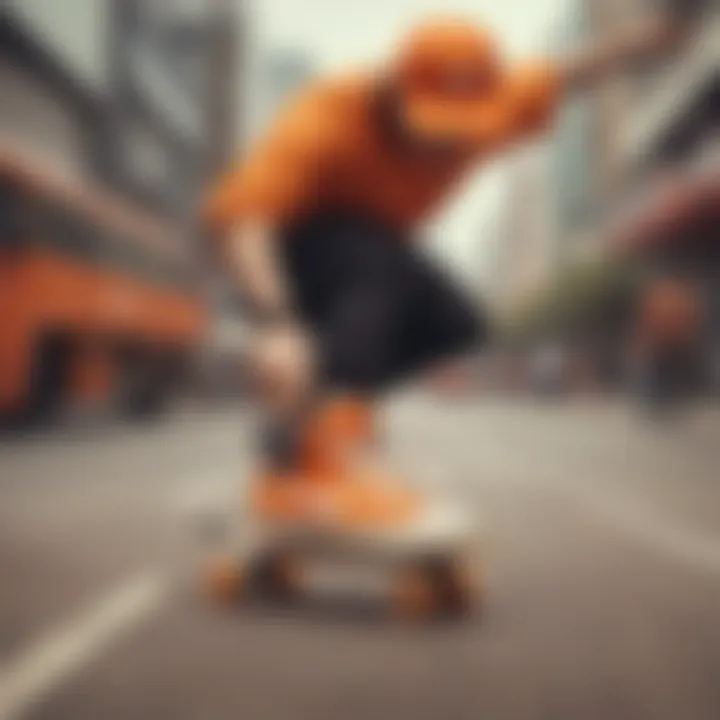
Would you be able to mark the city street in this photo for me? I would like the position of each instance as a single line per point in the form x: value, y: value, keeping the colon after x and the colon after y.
x: 601, y: 561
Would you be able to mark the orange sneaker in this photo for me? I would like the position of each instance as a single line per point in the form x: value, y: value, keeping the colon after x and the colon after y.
x: 335, y: 485
x: 354, y: 502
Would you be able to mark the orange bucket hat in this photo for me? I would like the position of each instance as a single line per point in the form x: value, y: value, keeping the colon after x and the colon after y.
x: 445, y: 73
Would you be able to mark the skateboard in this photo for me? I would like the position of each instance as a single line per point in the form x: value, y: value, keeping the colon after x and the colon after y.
x: 417, y: 553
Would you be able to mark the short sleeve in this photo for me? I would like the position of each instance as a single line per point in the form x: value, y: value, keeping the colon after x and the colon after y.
x: 282, y: 176
x: 535, y: 93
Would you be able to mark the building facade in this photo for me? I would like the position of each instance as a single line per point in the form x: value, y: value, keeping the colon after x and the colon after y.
x: 139, y: 96
x: 556, y: 184
x: 525, y: 230
x: 114, y: 116
x: 574, y: 143
x: 668, y: 150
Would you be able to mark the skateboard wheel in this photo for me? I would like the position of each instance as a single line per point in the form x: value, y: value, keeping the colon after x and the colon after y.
x: 458, y: 588
x: 224, y: 580
x: 416, y: 596
x: 277, y: 577
x: 436, y: 589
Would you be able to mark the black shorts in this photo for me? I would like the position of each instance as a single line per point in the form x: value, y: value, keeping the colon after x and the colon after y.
x: 380, y: 310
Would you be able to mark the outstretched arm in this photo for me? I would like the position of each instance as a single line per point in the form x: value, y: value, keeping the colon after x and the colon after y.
x: 646, y: 40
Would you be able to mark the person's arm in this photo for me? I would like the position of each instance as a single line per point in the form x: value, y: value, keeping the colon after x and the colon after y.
x: 281, y: 353
x: 252, y: 259
x: 277, y: 181
x: 646, y: 40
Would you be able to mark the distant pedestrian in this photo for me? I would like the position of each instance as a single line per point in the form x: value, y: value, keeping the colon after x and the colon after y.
x: 667, y: 338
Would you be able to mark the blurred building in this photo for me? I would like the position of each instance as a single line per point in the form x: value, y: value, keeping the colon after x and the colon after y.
x: 173, y: 77
x: 670, y: 112
x: 52, y: 70
x: 114, y: 115
x: 653, y: 127
x: 576, y: 148
x: 650, y: 151
x: 666, y: 155
x: 660, y: 117
x: 526, y: 229
x: 551, y: 194
x: 609, y: 145
x: 140, y: 96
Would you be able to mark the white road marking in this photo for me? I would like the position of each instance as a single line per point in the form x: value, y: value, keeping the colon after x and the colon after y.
x: 636, y: 518
x: 655, y: 531
x: 39, y: 668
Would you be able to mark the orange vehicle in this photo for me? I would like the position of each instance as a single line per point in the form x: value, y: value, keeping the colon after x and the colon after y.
x: 98, y: 302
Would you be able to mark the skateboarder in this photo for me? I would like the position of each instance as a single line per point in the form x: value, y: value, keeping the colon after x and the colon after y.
x: 316, y: 223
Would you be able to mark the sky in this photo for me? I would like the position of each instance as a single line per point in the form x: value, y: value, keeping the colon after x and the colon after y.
x: 340, y: 34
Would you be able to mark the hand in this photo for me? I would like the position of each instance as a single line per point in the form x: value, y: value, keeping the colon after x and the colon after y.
x: 282, y: 357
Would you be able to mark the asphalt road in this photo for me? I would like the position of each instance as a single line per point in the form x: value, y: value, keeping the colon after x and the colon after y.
x: 601, y: 560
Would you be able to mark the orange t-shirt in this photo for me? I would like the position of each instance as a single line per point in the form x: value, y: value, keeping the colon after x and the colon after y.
x: 327, y: 151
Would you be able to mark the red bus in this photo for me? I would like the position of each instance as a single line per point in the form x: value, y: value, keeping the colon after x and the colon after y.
x: 99, y: 303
